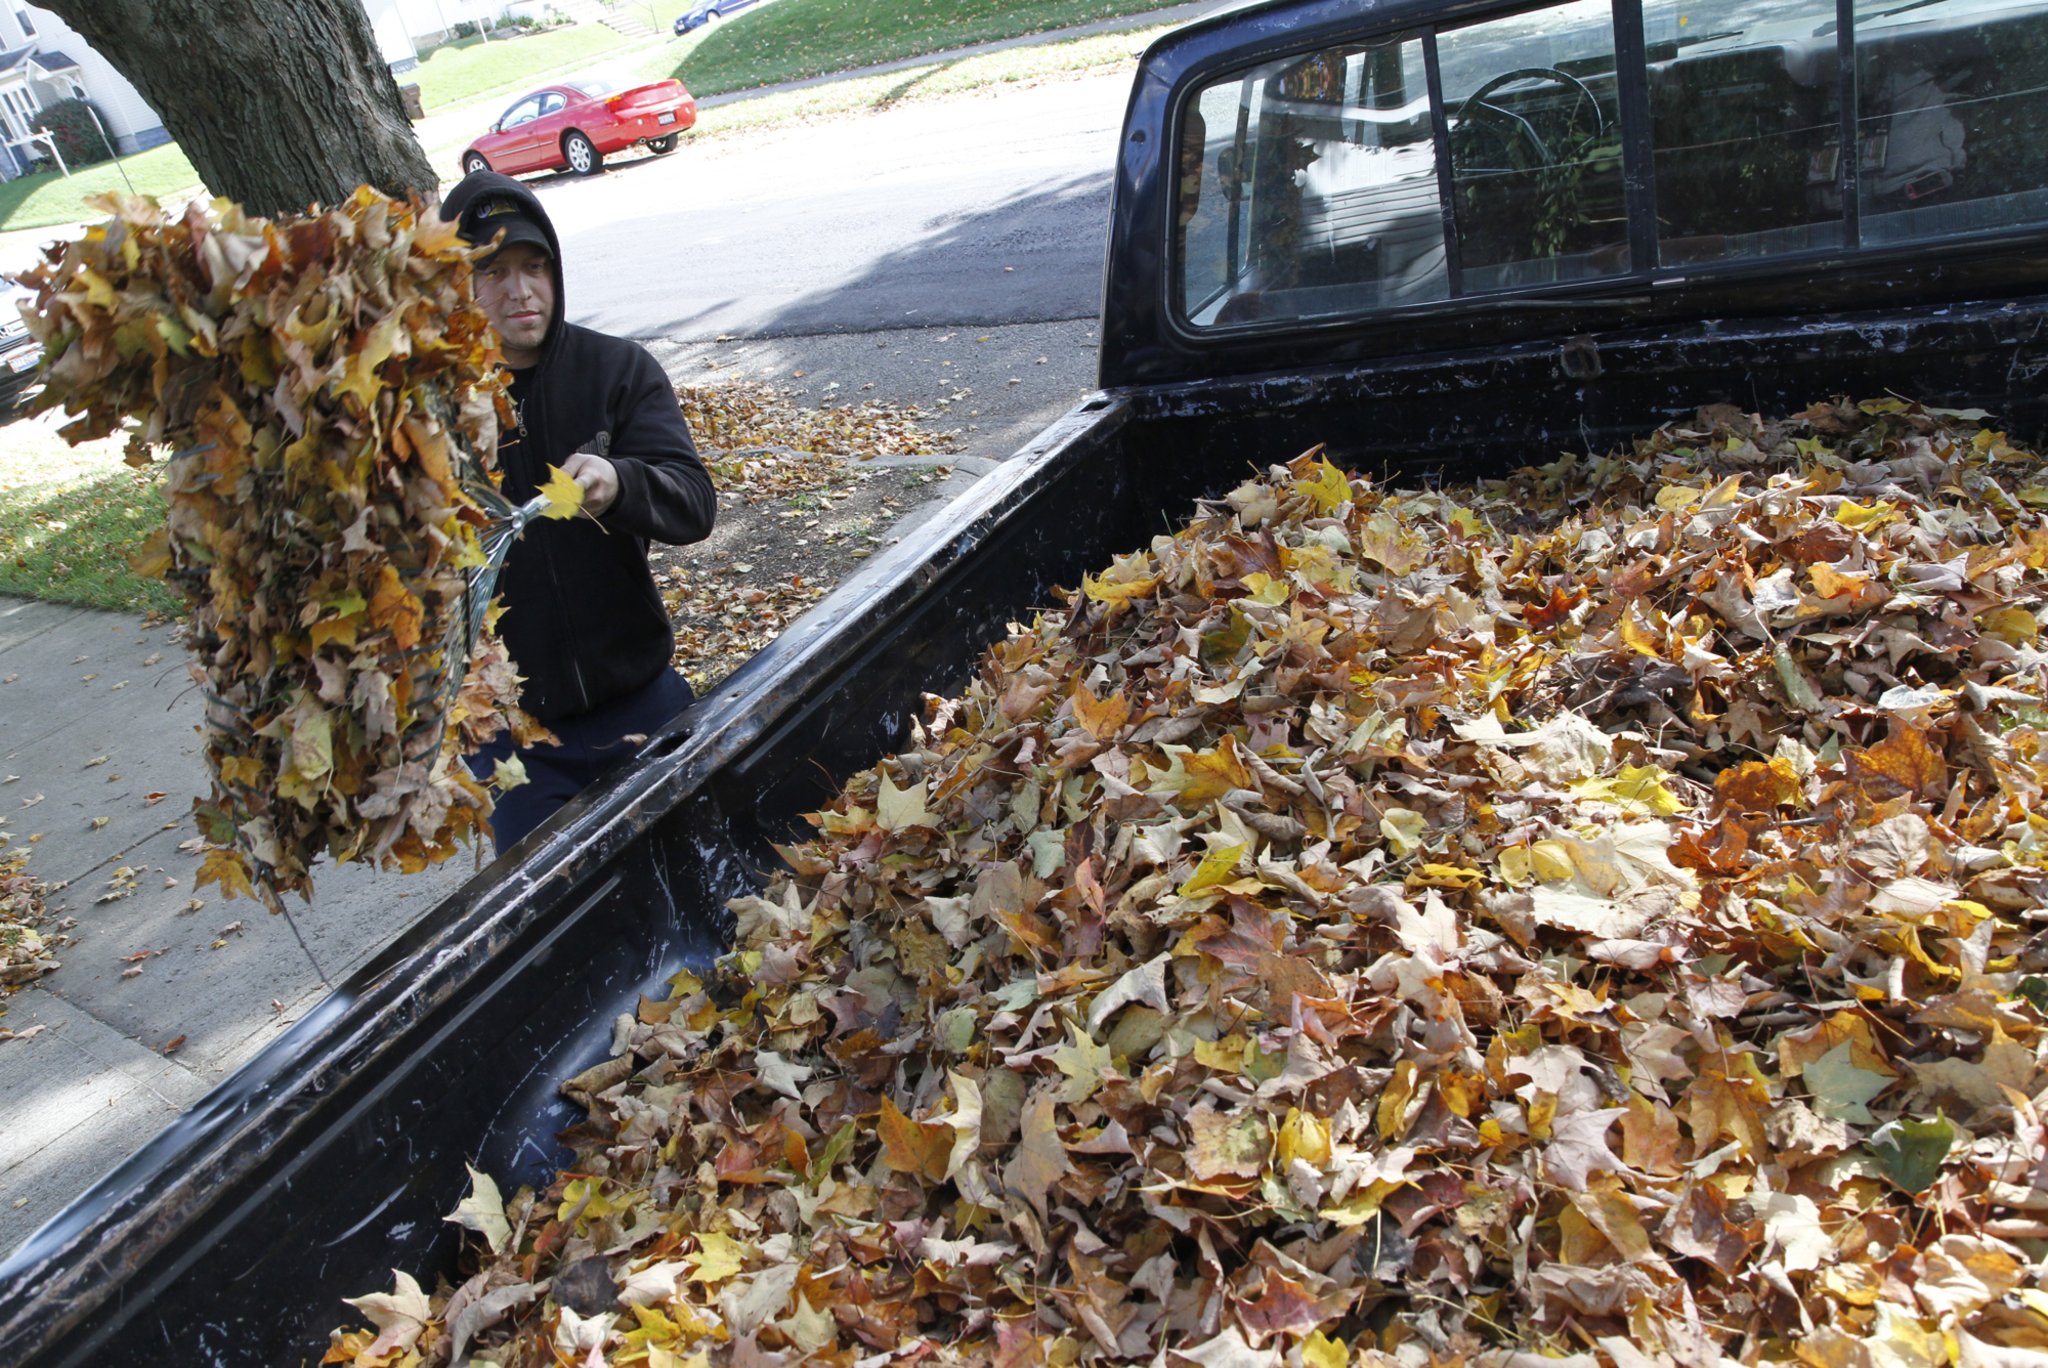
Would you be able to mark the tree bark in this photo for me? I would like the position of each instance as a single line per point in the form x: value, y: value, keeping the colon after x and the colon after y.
x: 279, y: 104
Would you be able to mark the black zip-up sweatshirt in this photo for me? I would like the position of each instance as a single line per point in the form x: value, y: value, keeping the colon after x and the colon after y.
x: 583, y: 620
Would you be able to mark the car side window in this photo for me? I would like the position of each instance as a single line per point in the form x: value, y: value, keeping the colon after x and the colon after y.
x: 1746, y: 127
x: 1535, y: 146
x: 1309, y: 186
x: 1951, y: 100
x: 1600, y: 140
x: 525, y: 112
x: 552, y: 103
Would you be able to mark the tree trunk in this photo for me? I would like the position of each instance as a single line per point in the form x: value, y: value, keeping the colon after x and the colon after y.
x: 279, y: 104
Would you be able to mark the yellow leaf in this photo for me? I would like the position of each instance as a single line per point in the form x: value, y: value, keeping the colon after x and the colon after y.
x: 920, y: 1147
x: 509, y: 773
x: 1445, y: 876
x: 718, y: 1257
x: 362, y: 379
x: 564, y: 496
x: 1639, y: 790
x: 899, y: 809
x: 1829, y: 582
x: 393, y: 606
x: 229, y: 870
x: 1862, y: 517
x: 1101, y: 718
x: 1671, y: 498
x: 1304, y: 1136
x: 1402, y: 829
x: 1639, y: 638
x: 2015, y: 626
x: 1215, y: 869
x: 153, y: 558
x: 1106, y: 590
x: 1400, y: 1091
x: 1329, y: 490
x: 1322, y: 1351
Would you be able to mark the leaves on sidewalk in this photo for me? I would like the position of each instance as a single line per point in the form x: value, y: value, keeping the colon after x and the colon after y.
x: 27, y: 952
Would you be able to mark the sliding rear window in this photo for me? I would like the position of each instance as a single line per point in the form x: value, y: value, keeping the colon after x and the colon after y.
x: 1600, y: 140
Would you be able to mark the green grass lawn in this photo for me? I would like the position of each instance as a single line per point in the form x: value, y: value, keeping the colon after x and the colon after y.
x: 460, y: 71
x: 789, y: 40
x: 71, y: 517
x: 930, y: 81
x: 49, y: 199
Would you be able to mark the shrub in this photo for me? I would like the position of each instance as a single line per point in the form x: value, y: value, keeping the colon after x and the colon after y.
x: 77, y: 133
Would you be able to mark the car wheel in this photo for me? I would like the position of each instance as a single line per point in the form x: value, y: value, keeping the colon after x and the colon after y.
x: 714, y: 18
x: 582, y: 154
x: 663, y: 145
x: 474, y: 162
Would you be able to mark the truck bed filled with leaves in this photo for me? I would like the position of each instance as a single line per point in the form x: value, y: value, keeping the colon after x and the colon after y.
x: 1594, y: 914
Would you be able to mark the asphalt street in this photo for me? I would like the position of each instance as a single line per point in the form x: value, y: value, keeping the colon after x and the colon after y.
x: 908, y: 256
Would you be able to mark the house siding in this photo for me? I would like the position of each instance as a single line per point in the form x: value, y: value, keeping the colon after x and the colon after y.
x: 130, y: 122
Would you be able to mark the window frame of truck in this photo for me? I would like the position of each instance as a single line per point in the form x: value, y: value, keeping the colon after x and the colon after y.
x: 1816, y: 260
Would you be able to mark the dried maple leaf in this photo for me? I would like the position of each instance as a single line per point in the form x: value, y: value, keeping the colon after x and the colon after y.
x: 325, y: 391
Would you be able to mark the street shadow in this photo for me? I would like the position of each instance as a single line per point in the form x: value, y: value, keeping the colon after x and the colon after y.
x: 1030, y: 257
x: 624, y: 163
x: 903, y: 89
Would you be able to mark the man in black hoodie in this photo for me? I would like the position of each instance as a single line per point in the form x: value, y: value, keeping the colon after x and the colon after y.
x: 583, y: 620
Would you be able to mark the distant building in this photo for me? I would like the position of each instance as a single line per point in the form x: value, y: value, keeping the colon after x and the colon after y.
x: 42, y: 61
x: 390, y: 22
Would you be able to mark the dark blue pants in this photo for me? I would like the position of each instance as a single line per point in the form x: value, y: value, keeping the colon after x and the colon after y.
x: 592, y: 743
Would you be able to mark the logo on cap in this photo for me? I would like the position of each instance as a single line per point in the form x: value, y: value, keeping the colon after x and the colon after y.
x: 494, y: 208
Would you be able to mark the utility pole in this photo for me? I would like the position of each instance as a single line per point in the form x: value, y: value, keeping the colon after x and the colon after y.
x: 108, y: 140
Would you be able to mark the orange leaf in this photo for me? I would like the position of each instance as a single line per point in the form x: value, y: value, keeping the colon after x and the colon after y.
x: 1758, y: 785
x: 394, y: 607
x: 915, y: 1147
x: 1904, y: 758
x: 1101, y: 718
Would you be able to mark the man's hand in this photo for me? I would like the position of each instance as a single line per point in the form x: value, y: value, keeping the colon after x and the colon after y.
x: 599, y: 480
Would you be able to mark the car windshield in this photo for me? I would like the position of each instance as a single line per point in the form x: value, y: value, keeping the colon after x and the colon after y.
x: 592, y: 87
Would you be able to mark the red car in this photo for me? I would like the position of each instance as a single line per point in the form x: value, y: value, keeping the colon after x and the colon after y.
x: 573, y: 125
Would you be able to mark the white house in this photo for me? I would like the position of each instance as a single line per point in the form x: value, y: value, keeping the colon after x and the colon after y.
x: 42, y: 61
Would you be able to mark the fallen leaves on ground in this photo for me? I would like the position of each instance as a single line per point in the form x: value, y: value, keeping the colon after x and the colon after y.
x: 27, y: 952
x: 1595, y: 915
x: 761, y: 443
x: 323, y: 386
x: 776, y: 466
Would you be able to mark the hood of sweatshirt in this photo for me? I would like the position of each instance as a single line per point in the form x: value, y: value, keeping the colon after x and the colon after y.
x: 481, y: 188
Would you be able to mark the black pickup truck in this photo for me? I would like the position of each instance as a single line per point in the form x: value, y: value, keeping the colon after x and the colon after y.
x: 1444, y: 237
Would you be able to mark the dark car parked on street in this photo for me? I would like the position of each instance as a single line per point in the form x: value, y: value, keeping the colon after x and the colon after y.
x: 707, y: 12
x: 20, y: 356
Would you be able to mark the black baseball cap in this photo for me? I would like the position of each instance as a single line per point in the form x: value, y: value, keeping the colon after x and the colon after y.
x: 494, y: 214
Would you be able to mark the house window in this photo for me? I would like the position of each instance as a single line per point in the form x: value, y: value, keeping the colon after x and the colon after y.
x: 28, y: 25
x: 21, y: 110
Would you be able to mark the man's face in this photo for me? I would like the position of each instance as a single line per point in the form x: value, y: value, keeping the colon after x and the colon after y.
x: 516, y: 289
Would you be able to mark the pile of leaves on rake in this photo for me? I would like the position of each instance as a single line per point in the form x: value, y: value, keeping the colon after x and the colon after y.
x: 326, y: 388
x: 1595, y: 916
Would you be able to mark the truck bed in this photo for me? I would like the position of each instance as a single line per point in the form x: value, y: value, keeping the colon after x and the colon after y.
x: 331, y: 1158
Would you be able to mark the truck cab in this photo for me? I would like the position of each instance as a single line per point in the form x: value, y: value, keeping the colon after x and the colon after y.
x: 1359, y: 184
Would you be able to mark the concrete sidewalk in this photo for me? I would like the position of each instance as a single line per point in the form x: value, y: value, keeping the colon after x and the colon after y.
x: 98, y: 720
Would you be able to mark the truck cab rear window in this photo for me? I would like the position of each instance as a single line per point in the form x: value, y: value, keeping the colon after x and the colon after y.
x: 1494, y: 156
